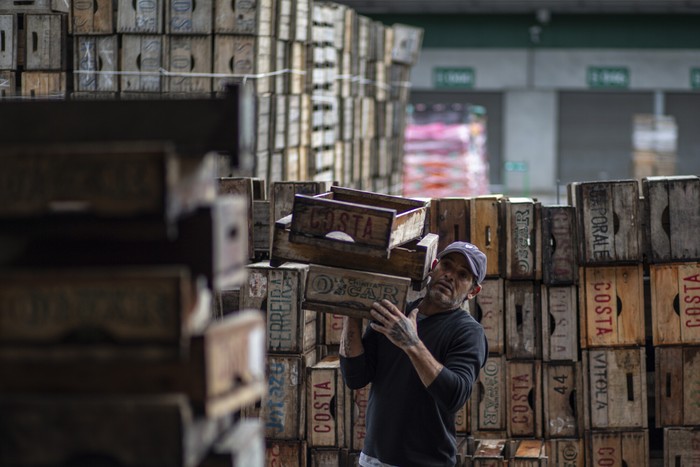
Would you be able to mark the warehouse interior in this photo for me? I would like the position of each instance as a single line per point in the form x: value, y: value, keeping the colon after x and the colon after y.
x: 198, y: 195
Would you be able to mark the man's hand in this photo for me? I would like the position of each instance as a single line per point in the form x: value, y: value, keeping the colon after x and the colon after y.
x: 400, y: 329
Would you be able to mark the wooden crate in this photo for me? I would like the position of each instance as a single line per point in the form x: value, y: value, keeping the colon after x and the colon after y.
x: 279, y: 122
x: 449, y: 219
x: 301, y: 20
x: 121, y: 180
x: 559, y: 323
x: 261, y: 228
x: 407, y: 44
x: 34, y: 6
x: 43, y: 84
x: 563, y: 400
x: 243, y: 444
x: 284, y: 406
x: 150, y: 307
x: 96, y: 63
x: 360, y: 398
x: 220, y: 369
x: 528, y: 453
x: 250, y: 189
x: 330, y: 329
x: 8, y: 83
x: 681, y: 446
x: 280, y: 62
x: 566, y: 452
x: 615, y: 388
x: 109, y: 428
x: 524, y: 398
x: 490, y: 453
x: 672, y: 212
x: 611, y: 306
x: 142, y: 57
x: 140, y: 17
x: 559, y: 245
x: 487, y: 308
x: 485, y: 230
x: 369, y: 223
x: 46, y: 42
x: 523, y: 315
x: 293, y: 124
x: 609, y: 224
x: 282, y: 195
x: 188, y: 17
x: 263, y: 107
x: 328, y: 404
x: 522, y: 232
x: 10, y: 31
x: 351, y: 292
x: 239, y: 55
x: 92, y: 17
x: 284, y: 452
x: 244, y: 17
x: 675, y: 295
x: 677, y: 384
x: 412, y: 260
x: 297, y: 65
x: 617, y: 448
x: 188, y: 55
x: 279, y: 293
x: 489, y: 399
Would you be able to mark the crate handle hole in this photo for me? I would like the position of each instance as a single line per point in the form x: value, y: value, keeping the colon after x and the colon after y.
x: 619, y: 306
x: 630, y: 387
x: 2, y: 40
x: 338, y: 235
x: 677, y: 305
x: 35, y: 41
x: 666, y: 221
x: 572, y: 402
x: 553, y: 243
x: 479, y: 312
x: 616, y: 223
x: 531, y: 398
x: 518, y: 315
x: 552, y: 323
x: 668, y: 384
x: 488, y: 236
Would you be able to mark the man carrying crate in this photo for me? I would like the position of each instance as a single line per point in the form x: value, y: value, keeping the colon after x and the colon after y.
x: 422, y: 364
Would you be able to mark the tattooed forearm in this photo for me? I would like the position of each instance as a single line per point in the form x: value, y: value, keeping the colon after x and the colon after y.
x: 346, y: 337
x: 403, y: 334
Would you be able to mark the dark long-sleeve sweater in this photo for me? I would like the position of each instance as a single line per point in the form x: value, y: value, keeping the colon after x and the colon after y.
x: 407, y: 423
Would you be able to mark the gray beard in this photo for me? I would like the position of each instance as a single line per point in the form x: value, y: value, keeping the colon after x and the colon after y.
x: 441, y: 300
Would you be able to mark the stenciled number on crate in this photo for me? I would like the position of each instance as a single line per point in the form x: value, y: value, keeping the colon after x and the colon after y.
x: 324, y: 284
x: 691, y: 301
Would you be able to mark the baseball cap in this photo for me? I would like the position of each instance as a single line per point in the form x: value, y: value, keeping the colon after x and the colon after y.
x: 475, y: 258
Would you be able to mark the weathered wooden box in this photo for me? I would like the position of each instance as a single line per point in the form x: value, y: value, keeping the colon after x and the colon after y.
x: 92, y: 17
x: 617, y: 448
x: 351, y: 292
x: 524, y: 398
x: 140, y: 17
x: 611, y: 306
x: 360, y: 399
x: 284, y: 408
x: 142, y: 58
x: 675, y: 303
x: 615, y: 388
x: 563, y: 400
x: 330, y: 330
x: 681, y: 446
x: 528, y: 453
x: 147, y: 307
x: 96, y: 63
x: 244, y: 17
x: 188, y: 59
x: 486, y: 230
x: 285, y: 452
x: 243, y: 444
x: 566, y: 452
x: 672, y: 206
x: 523, y: 315
x: 117, y: 180
x: 105, y: 429
x: 328, y: 403
x: 609, y: 221
x: 10, y: 31
x: 43, y: 84
x: 413, y: 259
x: 677, y: 383
x: 357, y: 221
x: 488, y: 309
x: 189, y: 17
x: 490, y: 453
x: 46, y: 42
x: 251, y: 190
x: 221, y: 369
x: 559, y: 323
x: 279, y: 292
x: 559, y: 245
x: 489, y: 399
x: 240, y: 55
x: 522, y: 239
x: 450, y: 220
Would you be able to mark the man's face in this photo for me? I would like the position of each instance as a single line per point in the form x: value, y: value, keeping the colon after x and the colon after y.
x: 451, y: 281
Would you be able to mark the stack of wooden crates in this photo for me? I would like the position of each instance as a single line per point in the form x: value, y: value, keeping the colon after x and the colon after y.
x: 110, y: 353
x: 330, y: 87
